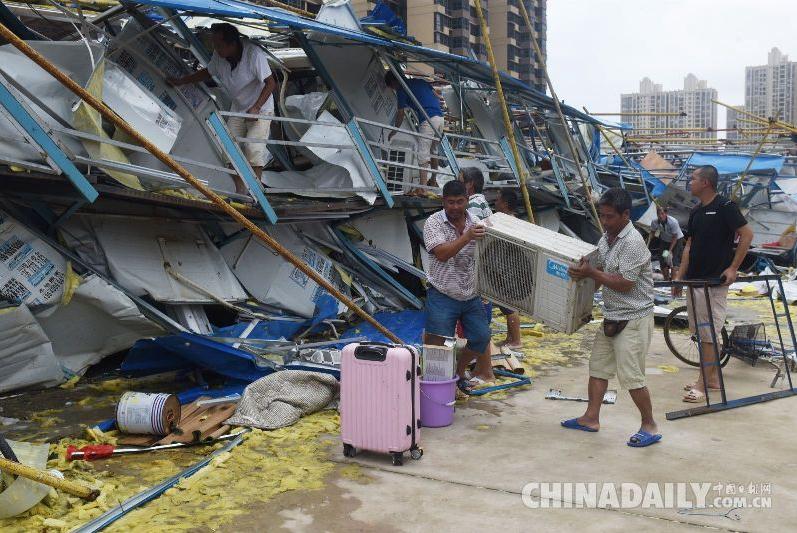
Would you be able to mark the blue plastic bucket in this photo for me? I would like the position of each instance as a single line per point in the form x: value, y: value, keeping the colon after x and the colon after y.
x: 437, y: 403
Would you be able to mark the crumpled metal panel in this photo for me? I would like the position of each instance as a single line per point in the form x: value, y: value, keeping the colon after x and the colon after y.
x: 26, y: 353
x: 98, y: 321
x: 137, y: 250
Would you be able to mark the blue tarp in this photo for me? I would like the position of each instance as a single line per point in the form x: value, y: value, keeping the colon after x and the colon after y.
x: 736, y: 163
x: 406, y: 325
x: 382, y: 14
x: 466, y: 66
x: 325, y: 308
x: 189, y: 350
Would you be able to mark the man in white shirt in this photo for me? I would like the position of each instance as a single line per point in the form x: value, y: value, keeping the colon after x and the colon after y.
x: 669, y: 236
x: 242, y: 69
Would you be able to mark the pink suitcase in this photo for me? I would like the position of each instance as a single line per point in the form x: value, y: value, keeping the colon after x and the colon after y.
x: 380, y: 399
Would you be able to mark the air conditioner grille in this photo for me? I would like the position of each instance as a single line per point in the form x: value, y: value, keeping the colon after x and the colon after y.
x: 506, y: 273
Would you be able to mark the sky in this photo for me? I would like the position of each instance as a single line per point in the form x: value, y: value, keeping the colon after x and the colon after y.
x: 599, y: 49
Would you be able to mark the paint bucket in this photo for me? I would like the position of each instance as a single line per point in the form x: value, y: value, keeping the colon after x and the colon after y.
x: 437, y: 402
x: 148, y: 413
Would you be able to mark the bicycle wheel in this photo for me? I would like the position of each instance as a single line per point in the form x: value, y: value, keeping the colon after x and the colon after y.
x: 683, y: 344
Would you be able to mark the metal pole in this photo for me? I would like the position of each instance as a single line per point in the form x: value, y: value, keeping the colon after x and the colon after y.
x: 651, y: 114
x: 510, y: 131
x: 717, y: 353
x: 786, y: 362
x: 762, y: 120
x: 300, y: 12
x: 738, y: 187
x: 167, y: 160
x: 541, y: 60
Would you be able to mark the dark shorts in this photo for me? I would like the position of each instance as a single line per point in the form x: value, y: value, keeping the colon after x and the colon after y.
x: 657, y: 246
x: 443, y: 312
x: 505, y: 310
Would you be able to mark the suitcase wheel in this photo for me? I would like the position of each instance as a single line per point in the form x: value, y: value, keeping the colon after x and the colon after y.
x: 417, y: 453
x: 398, y: 458
x: 349, y: 451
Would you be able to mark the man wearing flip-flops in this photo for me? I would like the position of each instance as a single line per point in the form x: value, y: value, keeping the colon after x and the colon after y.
x: 623, y: 269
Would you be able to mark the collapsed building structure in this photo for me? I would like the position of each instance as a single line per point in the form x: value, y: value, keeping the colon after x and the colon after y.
x: 106, y: 249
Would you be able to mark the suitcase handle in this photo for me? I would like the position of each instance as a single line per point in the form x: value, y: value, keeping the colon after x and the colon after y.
x: 368, y: 352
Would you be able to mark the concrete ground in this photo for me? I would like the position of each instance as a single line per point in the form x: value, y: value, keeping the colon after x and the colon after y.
x: 472, y: 474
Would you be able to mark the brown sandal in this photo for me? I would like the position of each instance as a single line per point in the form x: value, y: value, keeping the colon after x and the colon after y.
x: 694, y: 396
x: 691, y: 386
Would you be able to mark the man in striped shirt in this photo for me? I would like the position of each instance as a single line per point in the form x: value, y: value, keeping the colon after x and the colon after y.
x: 450, y: 238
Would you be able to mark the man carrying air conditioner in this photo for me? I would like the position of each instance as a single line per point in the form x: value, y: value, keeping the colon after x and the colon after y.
x: 623, y: 269
x: 449, y: 236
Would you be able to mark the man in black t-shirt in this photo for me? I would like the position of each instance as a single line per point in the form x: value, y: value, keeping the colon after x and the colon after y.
x: 709, y: 255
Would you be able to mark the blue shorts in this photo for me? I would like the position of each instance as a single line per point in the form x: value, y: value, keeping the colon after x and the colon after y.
x: 443, y: 312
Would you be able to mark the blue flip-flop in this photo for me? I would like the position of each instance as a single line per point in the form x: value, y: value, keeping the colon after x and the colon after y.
x: 640, y: 439
x: 573, y: 424
x: 465, y: 386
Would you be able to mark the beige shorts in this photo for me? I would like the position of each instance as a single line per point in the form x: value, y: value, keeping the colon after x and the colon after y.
x: 624, y: 354
x: 697, y: 310
x: 425, y: 145
x: 253, y: 129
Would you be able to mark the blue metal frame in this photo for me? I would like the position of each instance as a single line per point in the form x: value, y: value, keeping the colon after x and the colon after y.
x: 239, y: 162
x: 507, y: 151
x: 557, y: 172
x: 452, y: 159
x: 186, y: 33
x: 470, y: 67
x: 367, y: 261
x: 47, y: 144
x: 362, y: 148
x: 352, y: 127
x: 587, y: 161
x: 323, y: 73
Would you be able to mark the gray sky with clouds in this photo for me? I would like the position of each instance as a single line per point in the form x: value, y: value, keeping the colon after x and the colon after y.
x: 598, y: 49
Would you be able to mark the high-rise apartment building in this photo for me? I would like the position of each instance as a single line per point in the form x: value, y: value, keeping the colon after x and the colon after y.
x: 452, y: 26
x: 694, y: 100
x: 732, y: 122
x: 771, y: 90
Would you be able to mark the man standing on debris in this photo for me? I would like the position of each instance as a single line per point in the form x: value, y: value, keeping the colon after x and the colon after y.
x: 425, y: 94
x: 449, y: 236
x: 667, y: 241
x: 709, y: 255
x: 621, y: 344
x: 242, y: 69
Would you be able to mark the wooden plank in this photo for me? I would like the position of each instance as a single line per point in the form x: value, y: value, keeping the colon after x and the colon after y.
x: 223, y: 430
x: 138, y: 440
x: 214, y: 419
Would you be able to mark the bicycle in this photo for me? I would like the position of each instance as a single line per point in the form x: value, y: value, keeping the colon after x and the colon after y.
x: 685, y: 347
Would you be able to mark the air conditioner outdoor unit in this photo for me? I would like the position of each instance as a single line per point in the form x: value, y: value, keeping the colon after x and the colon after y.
x: 524, y: 267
